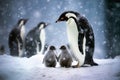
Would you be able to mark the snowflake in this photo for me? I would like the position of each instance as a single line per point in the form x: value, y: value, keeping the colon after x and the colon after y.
x: 31, y: 39
x: 104, y: 42
x: 86, y: 10
x: 87, y: 48
x: 58, y: 6
x: 79, y: 3
x: 91, y: 37
x: 7, y: 5
x: 48, y: 0
x: 81, y: 7
x: 36, y: 14
x: 65, y: 8
x: 44, y: 8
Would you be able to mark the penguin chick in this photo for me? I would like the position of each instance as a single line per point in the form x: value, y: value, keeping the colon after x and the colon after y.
x: 50, y: 59
x: 65, y: 59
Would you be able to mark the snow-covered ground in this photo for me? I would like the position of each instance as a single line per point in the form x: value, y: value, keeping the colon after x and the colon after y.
x: 13, y: 68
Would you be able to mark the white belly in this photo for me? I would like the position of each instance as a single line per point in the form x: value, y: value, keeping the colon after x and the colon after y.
x: 42, y: 38
x: 72, y: 33
x: 22, y: 34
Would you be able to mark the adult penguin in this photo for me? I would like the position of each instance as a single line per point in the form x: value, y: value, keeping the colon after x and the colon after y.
x: 35, y: 39
x: 80, y: 36
x: 16, y: 38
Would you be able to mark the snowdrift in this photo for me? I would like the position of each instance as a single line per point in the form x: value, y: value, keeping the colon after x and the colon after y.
x: 14, y: 68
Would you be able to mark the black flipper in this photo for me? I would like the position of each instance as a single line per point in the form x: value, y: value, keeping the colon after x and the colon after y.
x: 90, y: 42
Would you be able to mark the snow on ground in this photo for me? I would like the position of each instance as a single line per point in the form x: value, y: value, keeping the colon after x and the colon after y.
x: 14, y: 68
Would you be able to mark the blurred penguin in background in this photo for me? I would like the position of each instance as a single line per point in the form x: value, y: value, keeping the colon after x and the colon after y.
x: 2, y: 49
x: 16, y: 38
x: 35, y: 40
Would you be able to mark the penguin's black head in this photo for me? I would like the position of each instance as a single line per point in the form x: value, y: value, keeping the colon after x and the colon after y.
x: 22, y: 21
x: 42, y: 25
x: 63, y: 47
x: 62, y: 17
x: 66, y: 15
x: 52, y: 48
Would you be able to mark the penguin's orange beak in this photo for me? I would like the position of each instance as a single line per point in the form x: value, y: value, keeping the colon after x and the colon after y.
x: 26, y: 20
x: 57, y: 21
x: 62, y: 19
x: 47, y: 24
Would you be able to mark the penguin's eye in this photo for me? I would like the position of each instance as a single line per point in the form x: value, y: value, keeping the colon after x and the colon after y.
x: 62, y: 18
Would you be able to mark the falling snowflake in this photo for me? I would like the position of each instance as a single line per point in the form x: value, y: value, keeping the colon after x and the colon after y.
x: 37, y: 14
x: 48, y: 0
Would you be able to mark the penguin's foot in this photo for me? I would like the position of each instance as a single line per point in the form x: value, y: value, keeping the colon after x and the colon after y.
x: 93, y: 64
x: 76, y: 66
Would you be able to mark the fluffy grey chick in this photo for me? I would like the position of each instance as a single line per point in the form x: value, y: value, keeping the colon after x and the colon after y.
x: 50, y: 59
x: 65, y: 59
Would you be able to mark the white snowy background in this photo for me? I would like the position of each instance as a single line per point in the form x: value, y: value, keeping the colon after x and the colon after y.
x: 14, y: 68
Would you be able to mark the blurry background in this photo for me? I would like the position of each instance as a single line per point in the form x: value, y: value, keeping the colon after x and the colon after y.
x: 103, y: 15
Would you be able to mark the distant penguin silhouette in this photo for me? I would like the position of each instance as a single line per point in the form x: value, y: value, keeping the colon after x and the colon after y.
x: 2, y: 49
x: 16, y: 38
x: 65, y: 59
x: 50, y: 59
x: 35, y: 39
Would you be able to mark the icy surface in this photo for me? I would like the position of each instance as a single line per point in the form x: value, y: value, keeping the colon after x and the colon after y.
x: 13, y: 68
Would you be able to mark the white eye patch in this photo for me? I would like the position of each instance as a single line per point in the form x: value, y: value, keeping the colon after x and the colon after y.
x: 21, y: 23
x: 71, y: 15
x: 41, y: 26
